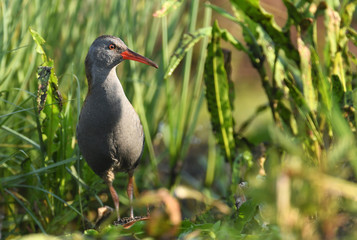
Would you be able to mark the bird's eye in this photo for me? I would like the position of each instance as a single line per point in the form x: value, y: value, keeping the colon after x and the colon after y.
x: 111, y: 47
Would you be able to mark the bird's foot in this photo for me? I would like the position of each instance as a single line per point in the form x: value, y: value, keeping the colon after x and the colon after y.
x: 127, y: 222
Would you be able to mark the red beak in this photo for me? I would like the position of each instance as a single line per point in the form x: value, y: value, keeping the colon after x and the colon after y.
x: 130, y: 55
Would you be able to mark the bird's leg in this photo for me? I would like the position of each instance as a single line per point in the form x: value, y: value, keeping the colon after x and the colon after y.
x: 147, y: 210
x: 115, y: 198
x: 129, y: 191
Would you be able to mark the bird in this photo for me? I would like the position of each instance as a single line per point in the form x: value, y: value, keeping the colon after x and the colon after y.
x: 109, y: 131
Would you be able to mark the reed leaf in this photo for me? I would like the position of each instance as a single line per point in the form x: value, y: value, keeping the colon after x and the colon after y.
x: 217, y: 95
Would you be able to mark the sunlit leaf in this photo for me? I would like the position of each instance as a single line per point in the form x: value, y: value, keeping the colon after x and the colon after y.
x: 167, y: 6
x: 39, y: 42
x: 255, y: 12
x: 308, y: 87
x: 347, y: 13
x: 186, y: 43
x: 217, y: 95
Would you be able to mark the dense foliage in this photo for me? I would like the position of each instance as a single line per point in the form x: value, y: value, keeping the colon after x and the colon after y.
x: 296, y: 183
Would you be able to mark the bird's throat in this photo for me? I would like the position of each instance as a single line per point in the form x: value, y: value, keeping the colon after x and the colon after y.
x: 102, y: 78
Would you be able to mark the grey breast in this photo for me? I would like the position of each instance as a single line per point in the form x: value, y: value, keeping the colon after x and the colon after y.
x: 109, y: 131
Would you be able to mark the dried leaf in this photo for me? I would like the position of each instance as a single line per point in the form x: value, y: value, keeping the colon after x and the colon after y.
x: 43, y: 77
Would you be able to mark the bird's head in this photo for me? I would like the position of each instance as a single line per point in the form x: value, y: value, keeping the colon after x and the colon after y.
x: 107, y: 52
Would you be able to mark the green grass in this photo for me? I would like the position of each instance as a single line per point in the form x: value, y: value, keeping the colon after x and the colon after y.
x: 293, y: 141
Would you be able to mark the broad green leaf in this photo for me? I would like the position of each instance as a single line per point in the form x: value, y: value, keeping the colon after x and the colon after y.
x: 245, y: 214
x: 272, y: 56
x: 347, y: 13
x: 187, y: 42
x: 52, y: 109
x: 293, y: 14
x: 39, y: 42
x: 339, y: 69
x: 301, y: 17
x: 253, y: 10
x: 50, y: 101
x: 334, y: 41
x: 216, y: 226
x: 247, y: 26
x: 227, y: 36
x: 48, y: 98
x: 217, y: 95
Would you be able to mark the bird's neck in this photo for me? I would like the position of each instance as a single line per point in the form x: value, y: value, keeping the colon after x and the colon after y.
x: 103, y: 79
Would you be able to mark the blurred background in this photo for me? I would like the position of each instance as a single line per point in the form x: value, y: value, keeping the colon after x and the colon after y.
x: 42, y: 172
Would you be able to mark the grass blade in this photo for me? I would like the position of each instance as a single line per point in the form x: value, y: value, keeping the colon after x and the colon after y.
x: 27, y: 210
x: 37, y: 171
x: 50, y: 193
x: 21, y: 136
